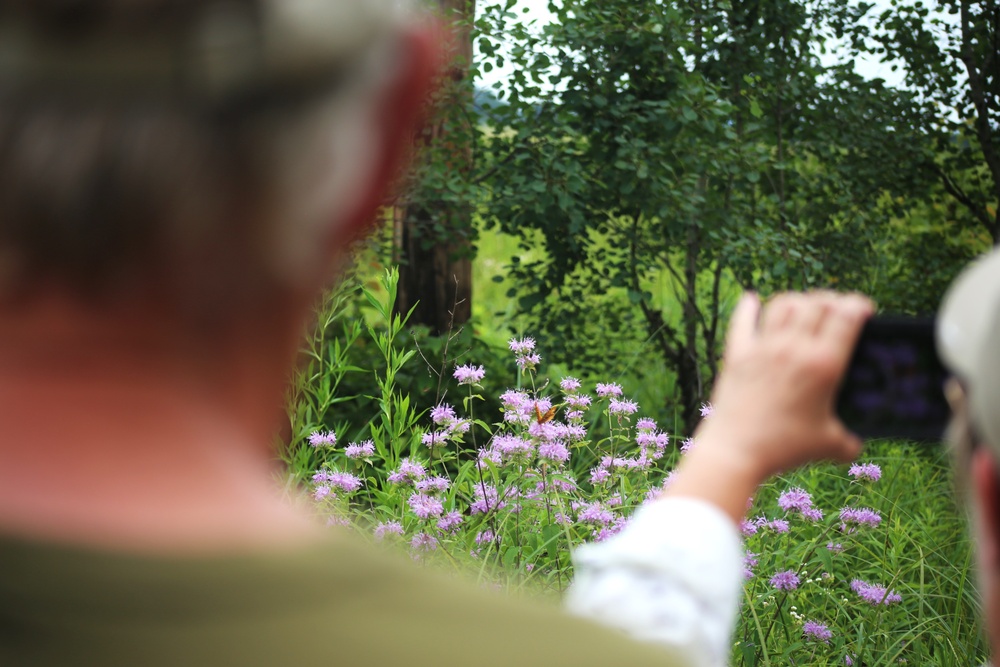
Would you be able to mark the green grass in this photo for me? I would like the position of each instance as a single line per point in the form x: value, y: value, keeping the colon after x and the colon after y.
x: 922, y: 550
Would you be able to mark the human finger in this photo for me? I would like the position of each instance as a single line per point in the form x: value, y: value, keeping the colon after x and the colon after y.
x: 743, y: 324
x: 847, y: 445
x: 812, y: 310
x: 779, y: 311
x: 841, y: 327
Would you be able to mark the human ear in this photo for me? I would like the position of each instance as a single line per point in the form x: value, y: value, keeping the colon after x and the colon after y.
x: 398, y: 114
x: 986, y: 494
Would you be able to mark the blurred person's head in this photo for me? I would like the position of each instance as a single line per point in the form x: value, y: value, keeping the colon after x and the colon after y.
x: 179, y: 180
x: 206, y: 162
x: 968, y: 333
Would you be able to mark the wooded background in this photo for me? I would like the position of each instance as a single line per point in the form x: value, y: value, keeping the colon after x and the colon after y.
x: 654, y: 159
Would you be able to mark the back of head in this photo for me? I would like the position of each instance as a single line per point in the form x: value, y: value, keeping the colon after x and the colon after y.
x: 189, y: 149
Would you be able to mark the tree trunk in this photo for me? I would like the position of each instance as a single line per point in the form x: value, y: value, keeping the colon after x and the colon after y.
x: 436, y: 278
x: 432, y: 236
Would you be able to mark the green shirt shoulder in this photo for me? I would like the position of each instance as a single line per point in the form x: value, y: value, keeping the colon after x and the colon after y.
x: 338, y: 603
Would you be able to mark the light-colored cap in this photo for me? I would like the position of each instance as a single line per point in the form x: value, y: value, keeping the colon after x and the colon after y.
x: 968, y: 340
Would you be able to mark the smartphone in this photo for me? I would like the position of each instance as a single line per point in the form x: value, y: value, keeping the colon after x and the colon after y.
x: 894, y: 384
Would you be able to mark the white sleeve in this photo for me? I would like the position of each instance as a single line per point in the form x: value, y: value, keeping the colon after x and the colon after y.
x: 674, y: 576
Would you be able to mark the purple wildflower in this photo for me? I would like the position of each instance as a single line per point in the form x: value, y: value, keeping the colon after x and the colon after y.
x: 484, y: 537
x: 654, y: 492
x: 608, y: 462
x: 513, y: 400
x: 645, y: 439
x: 748, y: 528
x: 553, y: 452
x: 389, y: 528
x: 450, y: 521
x: 321, y: 492
x: 528, y: 361
x: 573, y: 432
x: 513, y: 448
x: 599, y: 475
x: 785, y: 580
x: 645, y: 424
x: 545, y: 432
x: 467, y: 374
x: 834, y: 547
x: 443, y: 414
x: 865, y: 472
x: 608, y: 531
x: 609, y: 389
x: 423, y: 542
x: 813, y: 514
x: 321, y: 439
x: 358, y: 450
x: 622, y: 407
x: 344, y: 481
x: 687, y: 445
x: 874, y: 594
x: 520, y: 417
x: 540, y: 405
x: 434, y: 439
x: 487, y: 499
x: 706, y: 409
x: 407, y: 472
x: 816, y: 630
x: 795, y: 500
x: 492, y: 455
x: 521, y: 347
x: 433, y: 485
x: 776, y: 525
x: 862, y: 516
x: 569, y: 384
x: 425, y: 506
x: 564, y: 485
x: 594, y: 513
x: 749, y: 562
x: 579, y: 401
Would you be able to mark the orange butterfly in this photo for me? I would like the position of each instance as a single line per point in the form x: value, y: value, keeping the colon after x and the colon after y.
x: 547, y: 417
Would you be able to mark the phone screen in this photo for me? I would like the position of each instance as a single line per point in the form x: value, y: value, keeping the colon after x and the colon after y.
x: 894, y: 385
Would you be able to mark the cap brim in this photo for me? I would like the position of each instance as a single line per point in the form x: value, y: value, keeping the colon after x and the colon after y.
x: 968, y: 314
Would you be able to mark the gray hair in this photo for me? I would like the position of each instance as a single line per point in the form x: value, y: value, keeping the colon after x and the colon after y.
x: 217, y: 202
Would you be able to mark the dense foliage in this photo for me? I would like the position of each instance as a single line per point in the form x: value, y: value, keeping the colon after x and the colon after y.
x: 666, y: 155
